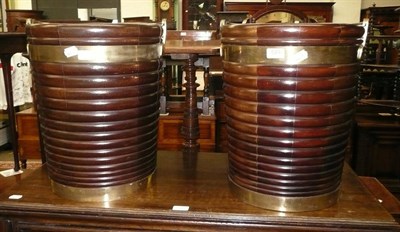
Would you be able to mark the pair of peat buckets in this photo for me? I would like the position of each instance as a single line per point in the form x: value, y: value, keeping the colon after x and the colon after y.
x: 289, y: 93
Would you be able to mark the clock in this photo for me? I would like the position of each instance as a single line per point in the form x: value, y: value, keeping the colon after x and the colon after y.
x: 165, y: 10
x: 164, y: 5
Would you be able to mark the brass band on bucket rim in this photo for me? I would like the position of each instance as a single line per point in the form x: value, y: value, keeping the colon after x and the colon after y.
x: 94, y: 54
x: 285, y: 204
x: 103, y: 194
x: 290, y: 55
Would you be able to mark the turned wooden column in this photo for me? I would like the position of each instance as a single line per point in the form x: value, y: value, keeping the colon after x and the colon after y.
x: 190, y: 128
x: 190, y: 51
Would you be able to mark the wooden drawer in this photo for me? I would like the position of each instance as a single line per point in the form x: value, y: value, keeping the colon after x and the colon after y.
x: 170, y: 138
x: 29, y: 149
x: 27, y: 124
x: 28, y: 136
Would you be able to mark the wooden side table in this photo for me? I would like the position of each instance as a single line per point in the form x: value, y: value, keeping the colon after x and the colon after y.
x: 190, y: 51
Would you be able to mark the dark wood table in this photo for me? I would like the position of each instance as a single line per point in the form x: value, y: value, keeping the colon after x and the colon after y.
x: 376, y: 142
x: 199, y: 182
x: 11, y: 43
x: 190, y: 51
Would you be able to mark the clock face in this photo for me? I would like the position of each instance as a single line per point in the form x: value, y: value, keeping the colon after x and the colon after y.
x: 164, y: 5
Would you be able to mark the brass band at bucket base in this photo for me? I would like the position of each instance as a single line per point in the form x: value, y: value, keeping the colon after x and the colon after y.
x: 290, y: 55
x: 94, y: 54
x: 285, y: 204
x: 103, y: 194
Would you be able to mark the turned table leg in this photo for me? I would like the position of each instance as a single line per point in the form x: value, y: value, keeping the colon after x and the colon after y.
x: 190, y: 128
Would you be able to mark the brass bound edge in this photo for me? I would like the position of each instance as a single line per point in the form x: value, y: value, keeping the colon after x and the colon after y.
x: 290, y: 55
x: 103, y: 194
x: 94, y: 54
x: 285, y: 204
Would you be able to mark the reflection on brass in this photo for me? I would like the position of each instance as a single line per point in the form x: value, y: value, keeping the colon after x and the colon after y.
x: 285, y: 204
x: 290, y: 55
x: 104, y: 194
x: 94, y: 54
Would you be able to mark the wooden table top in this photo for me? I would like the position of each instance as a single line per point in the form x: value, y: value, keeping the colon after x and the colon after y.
x: 12, y: 42
x: 201, y: 47
x: 201, y: 183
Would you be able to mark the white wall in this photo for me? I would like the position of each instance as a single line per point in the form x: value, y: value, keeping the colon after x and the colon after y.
x: 379, y: 3
x: 137, y: 8
x: 20, y: 4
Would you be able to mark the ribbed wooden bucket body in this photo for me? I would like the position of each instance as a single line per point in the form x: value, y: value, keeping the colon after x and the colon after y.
x: 289, y: 91
x: 97, y: 96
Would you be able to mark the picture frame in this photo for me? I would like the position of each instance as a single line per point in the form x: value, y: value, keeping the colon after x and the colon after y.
x: 200, y: 14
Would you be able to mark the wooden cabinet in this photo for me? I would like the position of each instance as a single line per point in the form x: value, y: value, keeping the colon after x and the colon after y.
x: 377, y: 146
x: 319, y: 11
x: 379, y: 78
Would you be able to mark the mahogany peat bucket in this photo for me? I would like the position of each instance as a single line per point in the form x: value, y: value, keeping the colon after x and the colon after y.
x: 97, y: 97
x: 289, y: 91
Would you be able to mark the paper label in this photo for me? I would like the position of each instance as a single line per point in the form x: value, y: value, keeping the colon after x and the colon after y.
x: 15, y: 197
x: 10, y: 172
x: 298, y: 57
x: 70, y: 51
x: 275, y: 53
x: 180, y: 208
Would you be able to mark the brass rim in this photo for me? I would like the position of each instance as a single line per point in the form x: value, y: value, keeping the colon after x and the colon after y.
x: 290, y: 55
x: 103, y: 194
x: 285, y: 204
x: 94, y: 54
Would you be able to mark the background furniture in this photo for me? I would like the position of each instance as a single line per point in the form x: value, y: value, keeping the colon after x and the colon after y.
x: 11, y: 43
x: 318, y: 11
x: 376, y: 143
x: 28, y: 136
x: 376, y: 134
x: 200, y: 14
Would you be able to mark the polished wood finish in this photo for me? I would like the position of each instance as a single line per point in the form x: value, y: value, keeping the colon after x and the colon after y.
x: 11, y: 43
x: 169, y: 134
x: 383, y: 196
x: 170, y: 138
x: 190, y: 51
x: 199, y: 182
x: 318, y: 11
x: 288, y: 123
x: 98, y: 114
